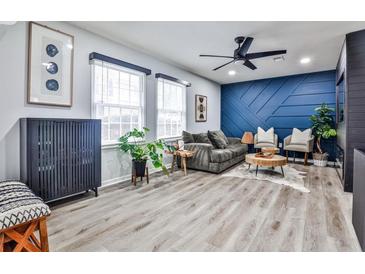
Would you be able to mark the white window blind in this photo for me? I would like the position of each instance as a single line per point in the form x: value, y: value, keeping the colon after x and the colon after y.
x: 118, y: 99
x: 171, y: 108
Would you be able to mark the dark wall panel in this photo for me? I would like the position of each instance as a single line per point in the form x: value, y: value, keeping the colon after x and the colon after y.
x: 355, y: 100
x: 282, y: 103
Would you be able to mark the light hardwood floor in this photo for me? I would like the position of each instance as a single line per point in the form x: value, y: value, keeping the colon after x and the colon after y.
x: 208, y: 212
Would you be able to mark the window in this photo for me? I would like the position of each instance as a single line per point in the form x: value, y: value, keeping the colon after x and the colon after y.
x: 118, y: 99
x: 171, y: 108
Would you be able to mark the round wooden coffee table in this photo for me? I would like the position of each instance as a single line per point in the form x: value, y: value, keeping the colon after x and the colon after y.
x: 274, y: 161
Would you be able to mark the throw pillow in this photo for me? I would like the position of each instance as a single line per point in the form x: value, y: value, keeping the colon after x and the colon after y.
x: 218, y: 139
x: 187, y: 137
x: 300, y: 137
x: 265, y: 136
x: 201, y: 138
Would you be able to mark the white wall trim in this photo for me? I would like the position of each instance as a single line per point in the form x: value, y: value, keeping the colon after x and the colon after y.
x: 127, y: 177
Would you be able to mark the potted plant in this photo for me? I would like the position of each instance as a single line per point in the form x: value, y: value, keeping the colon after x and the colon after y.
x: 323, y: 128
x: 141, y: 151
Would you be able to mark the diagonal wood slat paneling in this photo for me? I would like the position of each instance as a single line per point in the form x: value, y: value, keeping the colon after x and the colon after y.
x: 282, y: 103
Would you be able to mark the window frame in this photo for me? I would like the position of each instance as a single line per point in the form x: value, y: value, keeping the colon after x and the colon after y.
x: 184, y: 87
x: 94, y: 105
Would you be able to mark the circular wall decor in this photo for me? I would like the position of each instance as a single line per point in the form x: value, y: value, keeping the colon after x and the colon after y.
x: 52, y: 68
x: 52, y: 50
x: 52, y: 84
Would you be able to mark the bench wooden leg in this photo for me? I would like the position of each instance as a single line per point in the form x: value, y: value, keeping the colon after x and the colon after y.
x: 23, y: 238
x: 43, y: 235
x: 1, y: 242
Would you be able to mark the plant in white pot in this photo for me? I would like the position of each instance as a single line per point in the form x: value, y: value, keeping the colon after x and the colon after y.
x: 323, y: 128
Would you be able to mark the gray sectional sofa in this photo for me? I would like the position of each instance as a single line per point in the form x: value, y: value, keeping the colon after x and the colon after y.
x: 214, y: 152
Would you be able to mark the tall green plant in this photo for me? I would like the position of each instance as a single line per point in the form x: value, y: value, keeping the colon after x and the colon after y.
x: 323, y: 124
x: 134, y: 144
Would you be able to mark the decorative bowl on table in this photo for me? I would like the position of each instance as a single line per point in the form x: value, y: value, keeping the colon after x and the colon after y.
x: 264, y: 155
x: 272, y: 150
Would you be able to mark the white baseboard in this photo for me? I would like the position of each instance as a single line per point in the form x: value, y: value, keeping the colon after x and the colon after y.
x: 126, y: 177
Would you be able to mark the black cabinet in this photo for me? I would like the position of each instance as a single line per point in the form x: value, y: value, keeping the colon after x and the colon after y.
x: 60, y: 157
x: 350, y: 78
x: 358, y: 208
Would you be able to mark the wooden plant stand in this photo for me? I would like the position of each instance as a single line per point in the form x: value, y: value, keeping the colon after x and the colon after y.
x: 22, y: 237
x: 134, y: 176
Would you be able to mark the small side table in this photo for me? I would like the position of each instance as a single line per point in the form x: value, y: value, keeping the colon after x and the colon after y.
x: 184, y: 155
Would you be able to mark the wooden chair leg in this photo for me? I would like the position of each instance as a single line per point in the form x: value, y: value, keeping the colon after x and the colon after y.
x: 43, y: 235
x: 306, y: 158
x: 287, y: 155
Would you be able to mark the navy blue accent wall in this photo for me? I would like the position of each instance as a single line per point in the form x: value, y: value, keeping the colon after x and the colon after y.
x: 282, y: 103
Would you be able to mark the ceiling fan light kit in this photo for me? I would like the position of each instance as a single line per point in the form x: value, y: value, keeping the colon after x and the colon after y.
x: 241, y: 53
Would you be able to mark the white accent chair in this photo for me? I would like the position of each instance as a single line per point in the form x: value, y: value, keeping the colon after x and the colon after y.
x: 299, y: 141
x: 264, y: 139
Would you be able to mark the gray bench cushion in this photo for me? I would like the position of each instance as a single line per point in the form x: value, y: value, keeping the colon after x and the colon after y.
x: 18, y: 204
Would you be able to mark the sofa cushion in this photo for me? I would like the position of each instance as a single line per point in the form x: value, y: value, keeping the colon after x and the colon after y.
x: 300, y: 137
x: 218, y: 139
x: 18, y: 204
x: 265, y: 136
x: 187, y: 137
x: 201, y: 138
x: 237, y: 150
x: 220, y: 155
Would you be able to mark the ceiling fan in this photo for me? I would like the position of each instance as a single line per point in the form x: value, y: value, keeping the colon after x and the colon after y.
x: 240, y: 53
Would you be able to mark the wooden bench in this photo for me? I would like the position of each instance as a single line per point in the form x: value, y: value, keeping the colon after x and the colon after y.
x: 22, y: 214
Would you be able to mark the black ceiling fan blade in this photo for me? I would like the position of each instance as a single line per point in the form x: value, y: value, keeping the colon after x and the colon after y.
x: 224, y: 64
x: 245, y: 46
x: 248, y: 64
x: 264, y: 54
x: 219, y: 56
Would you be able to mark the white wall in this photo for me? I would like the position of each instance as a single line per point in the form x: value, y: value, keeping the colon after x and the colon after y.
x: 13, y: 105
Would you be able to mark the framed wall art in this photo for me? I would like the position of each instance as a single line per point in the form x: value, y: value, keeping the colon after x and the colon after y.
x: 50, y: 66
x: 201, y: 108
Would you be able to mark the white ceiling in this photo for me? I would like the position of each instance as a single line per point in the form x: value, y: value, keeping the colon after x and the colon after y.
x: 180, y: 43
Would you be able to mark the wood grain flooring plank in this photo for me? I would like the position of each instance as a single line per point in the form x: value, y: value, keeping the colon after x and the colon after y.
x: 208, y: 212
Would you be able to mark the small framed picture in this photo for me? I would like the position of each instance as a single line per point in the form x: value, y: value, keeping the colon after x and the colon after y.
x: 201, y: 108
x: 50, y: 66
